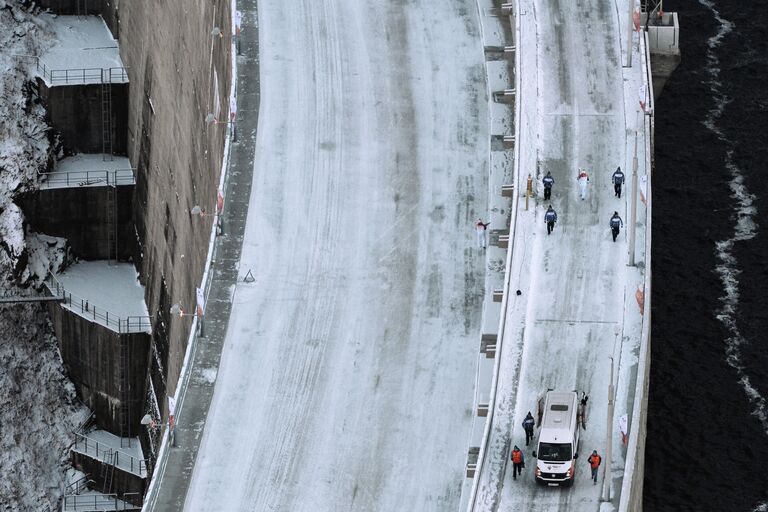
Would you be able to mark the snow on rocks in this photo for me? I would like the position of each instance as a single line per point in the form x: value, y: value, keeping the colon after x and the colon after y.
x: 46, y: 254
x: 38, y: 406
x: 38, y: 410
x: 24, y: 134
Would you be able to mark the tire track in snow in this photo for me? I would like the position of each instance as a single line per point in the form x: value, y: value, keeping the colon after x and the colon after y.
x: 305, y: 360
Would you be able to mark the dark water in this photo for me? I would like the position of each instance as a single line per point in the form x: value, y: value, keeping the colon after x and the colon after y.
x: 707, y: 445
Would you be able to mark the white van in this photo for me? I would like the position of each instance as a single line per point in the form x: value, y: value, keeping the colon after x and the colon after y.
x: 558, y: 445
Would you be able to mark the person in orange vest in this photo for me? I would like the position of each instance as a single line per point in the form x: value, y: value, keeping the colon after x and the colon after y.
x: 594, y: 463
x: 518, y: 462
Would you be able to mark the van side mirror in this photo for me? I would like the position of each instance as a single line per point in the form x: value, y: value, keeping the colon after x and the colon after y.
x: 576, y: 455
x: 534, y: 454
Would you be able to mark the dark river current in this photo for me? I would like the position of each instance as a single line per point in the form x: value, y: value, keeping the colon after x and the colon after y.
x: 707, y: 445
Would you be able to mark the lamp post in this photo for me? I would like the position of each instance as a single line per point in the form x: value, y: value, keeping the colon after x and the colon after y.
x: 630, y: 28
x: 608, y: 440
x: 633, y: 210
x: 217, y: 217
x: 178, y: 310
x: 608, y: 437
x: 211, y: 119
x: 216, y: 32
x: 148, y: 421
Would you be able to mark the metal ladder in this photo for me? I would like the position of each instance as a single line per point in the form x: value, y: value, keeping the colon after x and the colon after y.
x: 125, y: 392
x: 108, y: 471
x: 111, y: 224
x: 81, y: 7
x: 650, y: 6
x: 106, y: 114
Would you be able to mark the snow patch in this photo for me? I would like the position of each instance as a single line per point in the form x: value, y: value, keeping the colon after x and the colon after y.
x: 207, y: 375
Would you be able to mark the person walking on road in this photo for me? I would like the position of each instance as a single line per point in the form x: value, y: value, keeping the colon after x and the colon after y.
x: 528, y: 424
x: 583, y: 179
x: 615, y: 224
x: 594, y: 463
x: 618, y: 180
x: 480, y: 229
x: 548, y: 181
x: 518, y: 462
x: 550, y: 218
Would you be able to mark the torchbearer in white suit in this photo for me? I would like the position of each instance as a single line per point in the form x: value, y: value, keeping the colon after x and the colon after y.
x: 480, y: 229
x: 583, y: 179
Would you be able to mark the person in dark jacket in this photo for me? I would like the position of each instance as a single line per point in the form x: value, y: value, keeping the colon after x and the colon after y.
x: 594, y: 463
x: 618, y: 180
x: 528, y: 424
x: 550, y: 218
x: 548, y: 181
x: 615, y: 224
x: 518, y: 462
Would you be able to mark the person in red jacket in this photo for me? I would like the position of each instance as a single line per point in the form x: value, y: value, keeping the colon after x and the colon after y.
x: 594, y: 463
x: 518, y: 462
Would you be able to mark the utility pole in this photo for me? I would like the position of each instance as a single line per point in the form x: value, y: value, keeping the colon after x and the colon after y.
x: 608, y: 441
x: 633, y: 210
x: 630, y: 29
x: 528, y: 190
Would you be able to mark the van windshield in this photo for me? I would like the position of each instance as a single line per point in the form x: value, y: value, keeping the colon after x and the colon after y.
x: 555, y: 452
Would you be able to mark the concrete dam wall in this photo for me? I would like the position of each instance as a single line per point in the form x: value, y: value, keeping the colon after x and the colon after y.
x: 175, y: 80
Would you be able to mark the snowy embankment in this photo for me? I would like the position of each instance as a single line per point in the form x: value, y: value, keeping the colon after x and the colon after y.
x: 38, y: 408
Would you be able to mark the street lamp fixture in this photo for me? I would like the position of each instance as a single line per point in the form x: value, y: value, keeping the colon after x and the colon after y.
x: 217, y: 217
x: 216, y: 32
x: 178, y: 310
x: 198, y: 210
x: 212, y: 119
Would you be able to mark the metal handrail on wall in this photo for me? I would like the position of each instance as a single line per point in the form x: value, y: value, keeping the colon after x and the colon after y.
x: 108, y: 177
x: 123, y: 325
x: 136, y: 465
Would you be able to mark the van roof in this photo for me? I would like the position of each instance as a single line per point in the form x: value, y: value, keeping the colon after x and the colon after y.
x: 560, y: 410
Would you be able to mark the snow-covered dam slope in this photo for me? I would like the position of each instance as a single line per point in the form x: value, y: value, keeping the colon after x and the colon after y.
x: 348, y: 368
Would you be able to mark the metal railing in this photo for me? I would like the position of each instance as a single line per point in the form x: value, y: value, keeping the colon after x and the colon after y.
x: 634, y: 464
x: 15, y: 297
x: 82, y: 75
x: 86, y: 423
x: 85, y: 178
x: 78, y: 486
x: 91, y: 447
x: 74, y: 7
x: 92, y: 502
x: 489, y: 420
x: 123, y: 325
